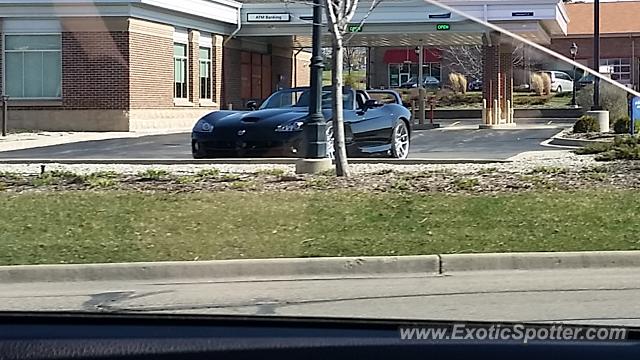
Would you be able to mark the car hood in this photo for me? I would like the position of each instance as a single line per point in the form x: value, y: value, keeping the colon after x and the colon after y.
x: 266, y: 118
x: 262, y: 118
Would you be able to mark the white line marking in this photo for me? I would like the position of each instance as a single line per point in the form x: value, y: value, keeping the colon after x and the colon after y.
x: 454, y: 124
x: 547, y: 143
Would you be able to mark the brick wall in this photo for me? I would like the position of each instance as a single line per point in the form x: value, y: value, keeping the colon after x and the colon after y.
x: 491, y: 65
x: 303, y: 74
x: 151, y: 71
x: 194, y: 66
x: 282, y: 66
x: 610, y: 47
x: 217, y: 70
x: 95, y: 70
x: 231, y: 78
x: 506, y: 76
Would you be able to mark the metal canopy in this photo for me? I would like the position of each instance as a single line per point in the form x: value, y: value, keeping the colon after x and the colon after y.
x: 410, y: 22
x: 467, y: 33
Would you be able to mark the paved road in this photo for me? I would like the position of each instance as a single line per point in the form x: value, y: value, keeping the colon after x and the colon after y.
x: 604, y: 296
x: 455, y: 140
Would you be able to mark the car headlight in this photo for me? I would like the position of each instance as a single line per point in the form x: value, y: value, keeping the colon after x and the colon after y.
x: 203, y: 126
x: 294, y: 126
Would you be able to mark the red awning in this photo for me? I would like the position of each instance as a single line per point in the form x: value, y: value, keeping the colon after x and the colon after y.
x: 398, y: 56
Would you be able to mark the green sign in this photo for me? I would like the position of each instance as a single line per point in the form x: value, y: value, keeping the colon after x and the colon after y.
x: 354, y: 28
x: 443, y: 27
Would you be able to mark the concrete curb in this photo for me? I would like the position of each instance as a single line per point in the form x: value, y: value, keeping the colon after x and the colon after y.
x: 258, y: 268
x: 243, y: 161
x: 318, y: 267
x: 427, y: 126
x: 558, y: 140
x: 539, y: 260
x: 44, y: 139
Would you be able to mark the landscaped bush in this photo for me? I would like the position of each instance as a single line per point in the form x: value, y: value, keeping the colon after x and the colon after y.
x: 585, y: 124
x: 454, y: 81
x: 546, y: 83
x: 625, y: 147
x: 612, y: 99
x: 537, y: 84
x: 621, y: 125
x: 531, y: 100
x: 448, y: 98
x: 462, y: 80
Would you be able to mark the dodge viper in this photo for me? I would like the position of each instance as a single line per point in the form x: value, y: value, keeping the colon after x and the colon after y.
x: 276, y: 128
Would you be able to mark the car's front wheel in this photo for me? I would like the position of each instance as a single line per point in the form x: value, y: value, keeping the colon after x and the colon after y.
x: 400, y: 140
x: 559, y: 89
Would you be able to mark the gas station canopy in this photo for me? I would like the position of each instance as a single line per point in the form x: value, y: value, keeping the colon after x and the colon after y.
x: 407, y: 23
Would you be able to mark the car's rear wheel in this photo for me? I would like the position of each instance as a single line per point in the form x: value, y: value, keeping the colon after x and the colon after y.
x: 400, y: 140
x: 559, y: 89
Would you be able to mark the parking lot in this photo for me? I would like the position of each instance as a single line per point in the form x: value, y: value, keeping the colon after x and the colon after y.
x: 455, y: 140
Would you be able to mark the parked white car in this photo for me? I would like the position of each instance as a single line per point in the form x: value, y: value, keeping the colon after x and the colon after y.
x: 560, y: 81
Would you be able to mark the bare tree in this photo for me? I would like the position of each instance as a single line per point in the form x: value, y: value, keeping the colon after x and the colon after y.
x: 354, y: 56
x: 339, y: 14
x: 467, y: 59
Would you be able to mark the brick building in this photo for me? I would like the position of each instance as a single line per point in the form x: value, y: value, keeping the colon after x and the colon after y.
x: 619, y: 29
x: 117, y: 66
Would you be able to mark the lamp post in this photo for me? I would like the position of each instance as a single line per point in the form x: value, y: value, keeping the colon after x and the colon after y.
x: 574, y: 51
x: 315, y: 129
x: 420, y: 83
x: 596, y: 54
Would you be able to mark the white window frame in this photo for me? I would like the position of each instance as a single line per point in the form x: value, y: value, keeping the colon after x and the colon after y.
x: 209, y: 63
x: 184, y: 58
x: 618, y: 67
x: 4, y: 63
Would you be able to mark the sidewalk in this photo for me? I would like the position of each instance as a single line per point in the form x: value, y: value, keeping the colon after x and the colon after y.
x: 28, y: 140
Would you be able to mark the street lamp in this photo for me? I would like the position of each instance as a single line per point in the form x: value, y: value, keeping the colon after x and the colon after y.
x: 574, y: 51
x: 316, y: 125
x: 596, y: 54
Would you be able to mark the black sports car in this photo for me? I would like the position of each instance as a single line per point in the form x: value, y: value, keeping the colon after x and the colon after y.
x: 276, y: 128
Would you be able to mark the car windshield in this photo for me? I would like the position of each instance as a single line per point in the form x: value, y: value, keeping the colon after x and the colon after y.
x: 163, y: 157
x: 301, y: 98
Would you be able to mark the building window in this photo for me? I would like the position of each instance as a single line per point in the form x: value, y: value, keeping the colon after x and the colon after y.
x: 402, y: 73
x: 180, y: 71
x: 205, y: 73
x: 33, y: 66
x: 620, y: 67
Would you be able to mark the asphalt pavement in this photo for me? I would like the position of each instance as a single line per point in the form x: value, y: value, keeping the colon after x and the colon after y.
x: 457, y: 139
x: 596, y: 296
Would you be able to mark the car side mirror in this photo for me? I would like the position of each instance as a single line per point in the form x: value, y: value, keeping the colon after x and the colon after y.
x: 252, y: 105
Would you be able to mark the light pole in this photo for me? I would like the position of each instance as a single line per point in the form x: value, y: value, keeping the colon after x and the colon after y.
x: 574, y: 51
x: 420, y: 83
x: 596, y: 55
x: 315, y: 128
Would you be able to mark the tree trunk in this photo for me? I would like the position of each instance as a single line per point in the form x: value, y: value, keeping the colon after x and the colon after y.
x: 342, y: 166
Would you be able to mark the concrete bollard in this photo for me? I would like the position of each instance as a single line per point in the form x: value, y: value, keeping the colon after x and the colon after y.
x: 484, y: 111
x: 603, y: 119
x: 496, y: 112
